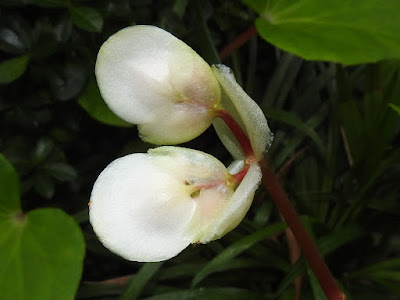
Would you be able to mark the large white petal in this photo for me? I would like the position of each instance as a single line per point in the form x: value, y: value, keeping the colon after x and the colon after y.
x: 142, y: 204
x: 139, y: 211
x: 199, y: 169
x: 149, y: 207
x: 149, y: 77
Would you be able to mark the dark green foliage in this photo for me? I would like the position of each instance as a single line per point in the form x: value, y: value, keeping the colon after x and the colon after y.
x: 336, y: 149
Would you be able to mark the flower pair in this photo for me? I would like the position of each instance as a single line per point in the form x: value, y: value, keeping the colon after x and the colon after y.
x: 149, y: 207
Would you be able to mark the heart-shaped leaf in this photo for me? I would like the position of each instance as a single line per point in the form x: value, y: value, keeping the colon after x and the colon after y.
x: 41, y: 252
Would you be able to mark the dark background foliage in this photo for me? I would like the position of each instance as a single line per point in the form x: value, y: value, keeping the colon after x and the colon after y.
x: 336, y: 150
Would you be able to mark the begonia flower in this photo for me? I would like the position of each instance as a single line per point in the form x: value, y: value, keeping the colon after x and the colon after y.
x: 150, y: 78
x: 149, y: 207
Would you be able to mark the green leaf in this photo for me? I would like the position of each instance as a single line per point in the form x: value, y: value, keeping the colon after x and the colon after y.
x: 326, y: 245
x: 13, y: 68
x: 188, y: 269
x: 296, y: 270
x: 9, y: 187
x: 379, y: 267
x: 93, y: 103
x: 86, y: 18
x: 41, y: 255
x: 395, y: 108
x: 69, y: 82
x: 348, y: 32
x: 394, y: 287
x: 237, y: 248
x: 386, y: 275
x: 138, y: 281
x: 315, y: 286
x: 339, y: 237
x: 43, y: 149
x: 60, y: 171
x: 296, y: 122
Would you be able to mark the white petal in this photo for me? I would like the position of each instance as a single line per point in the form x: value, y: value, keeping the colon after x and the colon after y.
x: 246, y: 112
x: 149, y: 77
x: 139, y: 211
x: 234, y: 210
x: 193, y: 166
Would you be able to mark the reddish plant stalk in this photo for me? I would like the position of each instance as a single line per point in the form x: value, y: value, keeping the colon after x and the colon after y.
x: 238, y: 42
x: 238, y: 132
x: 286, y: 209
x: 308, y: 247
x: 294, y: 249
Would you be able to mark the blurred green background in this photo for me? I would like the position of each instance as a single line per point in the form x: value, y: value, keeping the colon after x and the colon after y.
x: 336, y: 148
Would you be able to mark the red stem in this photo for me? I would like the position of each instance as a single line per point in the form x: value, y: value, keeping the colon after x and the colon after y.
x: 272, y: 184
x: 308, y: 247
x: 238, y: 132
x: 238, y: 42
x: 238, y: 177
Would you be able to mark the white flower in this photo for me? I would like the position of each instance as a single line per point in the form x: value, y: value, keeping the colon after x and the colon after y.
x: 150, y: 78
x: 149, y: 207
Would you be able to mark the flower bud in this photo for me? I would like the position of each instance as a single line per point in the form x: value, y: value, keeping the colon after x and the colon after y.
x: 150, y: 78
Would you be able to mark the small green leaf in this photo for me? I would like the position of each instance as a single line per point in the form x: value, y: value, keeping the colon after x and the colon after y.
x: 86, y: 18
x: 394, y: 287
x: 326, y: 245
x: 395, y: 108
x: 42, y: 150
x: 348, y: 32
x: 339, y: 237
x: 60, y: 171
x: 93, y: 103
x: 13, y: 68
x: 9, y: 187
x: 41, y: 254
x: 382, y: 266
x: 316, y: 287
x: 69, y: 82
